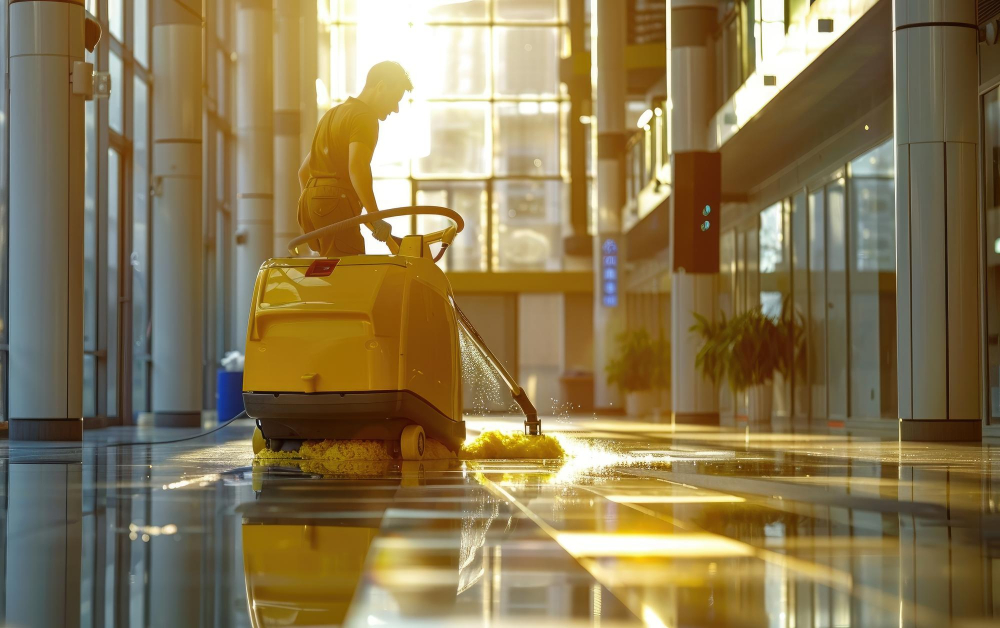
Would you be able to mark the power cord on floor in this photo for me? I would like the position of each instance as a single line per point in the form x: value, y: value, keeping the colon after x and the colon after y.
x: 241, y: 415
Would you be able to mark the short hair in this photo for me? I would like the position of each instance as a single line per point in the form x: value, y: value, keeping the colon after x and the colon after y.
x: 390, y: 73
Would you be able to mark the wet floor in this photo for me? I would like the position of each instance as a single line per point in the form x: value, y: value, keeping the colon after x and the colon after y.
x: 643, y: 525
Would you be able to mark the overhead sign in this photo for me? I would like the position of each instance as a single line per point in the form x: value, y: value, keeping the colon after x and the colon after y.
x: 609, y: 273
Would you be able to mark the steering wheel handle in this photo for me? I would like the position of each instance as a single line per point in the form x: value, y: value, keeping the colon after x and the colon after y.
x: 369, y: 217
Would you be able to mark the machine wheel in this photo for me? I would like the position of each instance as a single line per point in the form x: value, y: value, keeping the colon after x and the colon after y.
x: 411, y: 442
x: 274, y: 444
x: 259, y: 442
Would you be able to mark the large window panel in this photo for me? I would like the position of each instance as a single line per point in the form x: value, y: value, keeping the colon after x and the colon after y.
x: 527, y: 10
x: 468, y: 251
x: 527, y: 140
x: 116, y: 112
x: 90, y: 265
x: 116, y: 19
x: 991, y: 224
x: 140, y: 29
x: 469, y: 10
x: 836, y: 294
x: 800, y: 301
x: 775, y: 283
x: 454, y: 61
x: 527, y: 61
x: 817, y: 302
x: 872, y: 284
x: 115, y: 206
x: 529, y: 224
x: 459, y: 143
x: 139, y: 258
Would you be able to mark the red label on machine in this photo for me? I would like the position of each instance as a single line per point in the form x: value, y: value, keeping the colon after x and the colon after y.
x: 322, y: 267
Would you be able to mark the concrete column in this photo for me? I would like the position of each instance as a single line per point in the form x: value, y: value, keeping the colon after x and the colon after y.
x: 44, y: 543
x: 691, y: 78
x: 287, y: 122
x: 46, y: 218
x: 254, y: 152
x: 309, y: 71
x: 937, y: 267
x: 609, y: 32
x: 177, y: 299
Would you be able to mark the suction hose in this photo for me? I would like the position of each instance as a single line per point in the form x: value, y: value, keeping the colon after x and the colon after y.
x: 532, y: 424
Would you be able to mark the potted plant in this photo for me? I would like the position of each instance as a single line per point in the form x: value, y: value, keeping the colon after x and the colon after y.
x: 745, y: 350
x: 639, y: 370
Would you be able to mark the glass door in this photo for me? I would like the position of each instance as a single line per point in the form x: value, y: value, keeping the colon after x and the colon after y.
x: 817, y: 303
x: 836, y: 300
x: 991, y: 225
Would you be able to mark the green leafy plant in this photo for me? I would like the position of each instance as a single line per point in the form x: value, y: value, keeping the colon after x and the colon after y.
x: 745, y: 350
x: 643, y: 363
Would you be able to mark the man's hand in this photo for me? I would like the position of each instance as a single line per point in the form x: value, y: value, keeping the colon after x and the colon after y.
x: 381, y: 230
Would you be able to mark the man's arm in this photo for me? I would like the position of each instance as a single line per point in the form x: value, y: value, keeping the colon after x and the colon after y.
x: 304, y: 172
x: 360, y: 169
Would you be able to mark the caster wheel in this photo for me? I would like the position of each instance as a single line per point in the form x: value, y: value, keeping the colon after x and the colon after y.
x: 275, y: 444
x: 259, y: 442
x: 411, y: 442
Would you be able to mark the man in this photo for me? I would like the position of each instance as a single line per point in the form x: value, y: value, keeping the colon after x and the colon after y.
x: 336, y: 176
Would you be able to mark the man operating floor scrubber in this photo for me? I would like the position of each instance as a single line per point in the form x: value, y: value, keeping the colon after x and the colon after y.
x: 336, y: 176
x: 351, y: 346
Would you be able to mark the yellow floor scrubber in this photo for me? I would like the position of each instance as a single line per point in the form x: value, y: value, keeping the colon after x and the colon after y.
x: 362, y: 347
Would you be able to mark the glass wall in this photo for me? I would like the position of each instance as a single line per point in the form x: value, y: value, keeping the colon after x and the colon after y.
x: 872, y: 281
x: 116, y: 217
x: 826, y: 258
x: 485, y: 128
x: 991, y: 207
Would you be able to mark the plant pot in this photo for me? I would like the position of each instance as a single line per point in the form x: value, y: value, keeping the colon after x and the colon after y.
x: 640, y: 403
x: 760, y: 401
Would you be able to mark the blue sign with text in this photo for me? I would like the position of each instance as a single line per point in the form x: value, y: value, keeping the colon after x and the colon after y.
x: 609, y: 273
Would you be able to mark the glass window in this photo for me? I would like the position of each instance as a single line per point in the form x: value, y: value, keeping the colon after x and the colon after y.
x: 454, y: 61
x: 529, y: 231
x: 527, y: 10
x: 817, y: 303
x: 540, y: 347
x: 468, y: 251
x: 773, y: 261
x: 90, y: 229
x: 774, y: 283
x: 800, y: 302
x: 115, y: 194
x: 991, y: 203
x: 873, y: 284
x: 459, y: 139
x: 116, y: 20
x: 115, y: 100
x: 836, y: 295
x: 727, y: 295
x: 453, y: 11
x: 140, y: 29
x: 527, y: 61
x: 527, y: 140
x: 139, y: 257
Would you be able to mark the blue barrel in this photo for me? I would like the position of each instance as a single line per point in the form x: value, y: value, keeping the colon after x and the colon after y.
x: 229, y: 394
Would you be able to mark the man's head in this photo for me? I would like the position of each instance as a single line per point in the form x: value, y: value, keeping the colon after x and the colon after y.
x: 387, y: 82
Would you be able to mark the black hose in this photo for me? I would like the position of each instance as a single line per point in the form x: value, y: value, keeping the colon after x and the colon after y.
x: 152, y: 442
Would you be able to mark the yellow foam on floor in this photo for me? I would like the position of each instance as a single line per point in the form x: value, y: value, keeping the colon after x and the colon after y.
x: 492, y: 445
x: 497, y: 445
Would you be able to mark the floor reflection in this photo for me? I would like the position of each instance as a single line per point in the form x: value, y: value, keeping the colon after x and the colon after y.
x: 646, y: 524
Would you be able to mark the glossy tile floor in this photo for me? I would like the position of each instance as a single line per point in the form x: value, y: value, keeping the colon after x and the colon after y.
x: 644, y: 524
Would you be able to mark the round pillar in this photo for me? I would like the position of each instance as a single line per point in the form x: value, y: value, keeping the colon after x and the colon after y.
x: 694, y: 399
x: 254, y: 152
x: 46, y: 219
x: 178, y: 248
x: 610, y: 88
x: 937, y: 265
x: 44, y: 542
